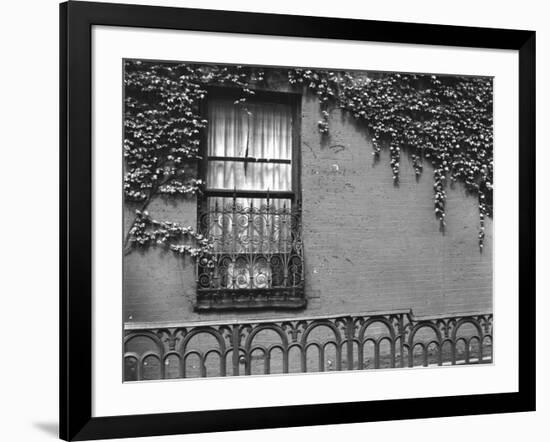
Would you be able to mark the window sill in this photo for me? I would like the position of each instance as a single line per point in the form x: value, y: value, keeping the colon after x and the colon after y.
x: 284, y: 298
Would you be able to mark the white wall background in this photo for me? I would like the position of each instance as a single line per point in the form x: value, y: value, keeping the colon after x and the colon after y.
x: 29, y: 221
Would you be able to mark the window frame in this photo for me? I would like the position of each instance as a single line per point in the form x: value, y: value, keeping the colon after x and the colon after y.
x: 292, y: 98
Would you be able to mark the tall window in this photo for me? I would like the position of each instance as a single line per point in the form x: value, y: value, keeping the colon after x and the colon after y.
x: 250, y: 208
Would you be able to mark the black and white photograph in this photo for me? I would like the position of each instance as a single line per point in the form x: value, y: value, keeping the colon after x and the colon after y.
x: 284, y: 220
x: 275, y: 221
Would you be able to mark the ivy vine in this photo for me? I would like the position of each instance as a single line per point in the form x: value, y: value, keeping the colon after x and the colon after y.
x: 162, y: 127
x: 446, y: 120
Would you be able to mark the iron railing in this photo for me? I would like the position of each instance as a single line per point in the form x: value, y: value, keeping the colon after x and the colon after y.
x: 257, y: 259
x: 346, y: 342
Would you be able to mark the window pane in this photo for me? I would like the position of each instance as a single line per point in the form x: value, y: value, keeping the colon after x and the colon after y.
x: 259, y: 130
x: 248, y: 176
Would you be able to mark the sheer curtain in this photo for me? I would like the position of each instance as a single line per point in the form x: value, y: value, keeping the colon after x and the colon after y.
x: 250, y: 130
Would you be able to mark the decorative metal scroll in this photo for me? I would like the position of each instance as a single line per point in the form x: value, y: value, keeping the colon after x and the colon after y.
x: 297, y: 345
x: 257, y: 256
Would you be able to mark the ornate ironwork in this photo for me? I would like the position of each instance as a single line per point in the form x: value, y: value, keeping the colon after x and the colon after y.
x: 346, y: 342
x: 257, y: 258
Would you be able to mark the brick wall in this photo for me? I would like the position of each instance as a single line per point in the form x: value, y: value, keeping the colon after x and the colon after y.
x: 369, y: 246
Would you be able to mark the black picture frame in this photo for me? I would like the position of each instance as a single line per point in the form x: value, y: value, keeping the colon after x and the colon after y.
x: 76, y: 21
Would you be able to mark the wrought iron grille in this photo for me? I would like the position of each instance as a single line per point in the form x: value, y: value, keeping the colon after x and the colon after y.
x: 257, y: 258
x: 347, y: 342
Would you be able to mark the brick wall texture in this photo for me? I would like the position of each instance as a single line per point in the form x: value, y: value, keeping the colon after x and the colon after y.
x: 369, y: 245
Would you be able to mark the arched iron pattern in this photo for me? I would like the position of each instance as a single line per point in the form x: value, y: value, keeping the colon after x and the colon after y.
x: 371, y: 321
x: 379, y: 342
x: 136, y: 375
x: 152, y: 354
x: 249, y: 356
x: 448, y: 358
x: 179, y: 359
x: 202, y: 330
x: 145, y: 334
x: 200, y: 355
x: 421, y: 325
x: 487, y: 343
x: 221, y: 356
x: 320, y: 355
x: 284, y: 354
x: 312, y: 325
x: 395, y: 341
x: 257, y: 257
x: 260, y: 328
x: 465, y: 357
x: 472, y: 340
x: 299, y: 355
x: 464, y: 321
x: 365, y: 342
x: 438, y: 349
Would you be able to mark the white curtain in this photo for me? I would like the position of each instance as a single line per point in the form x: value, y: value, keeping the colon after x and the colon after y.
x: 254, y: 131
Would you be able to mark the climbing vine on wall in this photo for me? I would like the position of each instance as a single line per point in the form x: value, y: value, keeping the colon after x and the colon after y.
x: 445, y: 120
x: 441, y: 119
x: 162, y: 127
